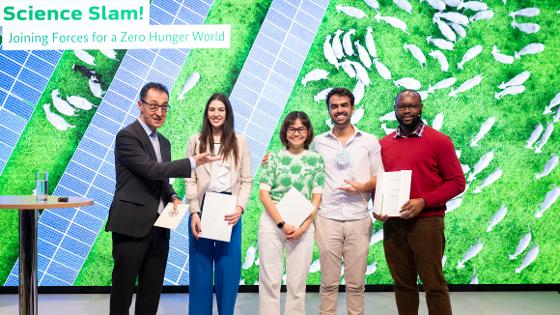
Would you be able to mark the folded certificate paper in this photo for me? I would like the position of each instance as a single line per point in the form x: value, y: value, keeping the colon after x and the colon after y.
x: 166, y: 220
x: 216, y: 207
x: 294, y: 208
x: 392, y: 192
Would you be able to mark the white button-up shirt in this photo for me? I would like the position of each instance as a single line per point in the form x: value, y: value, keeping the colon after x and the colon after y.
x: 363, y: 153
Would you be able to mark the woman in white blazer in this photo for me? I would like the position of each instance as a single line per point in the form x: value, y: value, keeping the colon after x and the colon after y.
x: 213, y: 261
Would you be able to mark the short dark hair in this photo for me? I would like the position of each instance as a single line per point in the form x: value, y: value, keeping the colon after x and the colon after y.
x: 407, y: 91
x: 340, y: 92
x: 152, y: 85
x: 289, y: 120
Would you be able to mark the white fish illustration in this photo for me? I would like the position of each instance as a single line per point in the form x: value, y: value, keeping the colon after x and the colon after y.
x: 453, y: 204
x: 57, y: 121
x: 359, y: 91
x: 556, y: 117
x: 555, y: 101
x: 321, y: 96
x: 528, y: 28
x: 440, y: 57
x: 408, y: 83
x: 501, y: 58
x: 473, y: 6
x: 393, y: 21
x: 527, y: 12
x: 454, y: 17
x: 530, y: 49
x: 404, y: 4
x: 315, y: 266
x: 372, y: 4
x: 423, y: 95
x: 465, y: 168
x: 550, y: 198
x: 443, y: 84
x: 376, y: 237
x: 386, y: 129
x: 517, y: 80
x: 482, y: 164
x: 535, y: 135
x: 467, y: 85
x: 548, y: 167
x: 61, y: 105
x: 416, y: 53
x: 440, y: 43
x: 445, y: 29
x: 474, y: 279
x: 438, y: 5
x: 95, y: 88
x: 484, y: 129
x: 510, y: 90
x: 313, y: 75
x: 497, y: 218
x: 191, y: 81
x: 521, y: 246
x: 85, y: 56
x: 363, y: 54
x: 390, y: 116
x: 470, y: 55
x: 351, y: 11
x: 109, y: 53
x: 79, y: 102
x: 357, y: 115
x: 328, y: 52
x: 452, y: 3
x: 382, y: 70
x: 528, y: 259
x: 482, y: 15
x: 443, y: 261
x: 348, y: 68
x: 489, y: 180
x: 471, y: 252
x: 361, y: 73
x: 347, y: 42
x: 459, y: 29
x: 371, y: 268
x: 337, y: 45
x: 544, y: 138
x: 437, y: 123
x: 370, y: 43
x: 249, y: 257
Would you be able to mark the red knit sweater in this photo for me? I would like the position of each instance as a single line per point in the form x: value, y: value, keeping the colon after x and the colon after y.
x: 436, y: 171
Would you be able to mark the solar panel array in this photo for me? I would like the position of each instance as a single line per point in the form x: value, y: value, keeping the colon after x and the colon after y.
x: 66, y: 236
x: 269, y: 74
x: 23, y: 77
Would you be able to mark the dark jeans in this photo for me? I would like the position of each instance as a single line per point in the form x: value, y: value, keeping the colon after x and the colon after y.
x: 414, y: 248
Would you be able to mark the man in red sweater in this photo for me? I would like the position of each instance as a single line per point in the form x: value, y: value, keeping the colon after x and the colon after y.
x: 414, y: 242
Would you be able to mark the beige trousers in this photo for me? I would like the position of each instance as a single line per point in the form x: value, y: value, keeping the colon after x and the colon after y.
x: 271, y: 265
x: 337, y: 240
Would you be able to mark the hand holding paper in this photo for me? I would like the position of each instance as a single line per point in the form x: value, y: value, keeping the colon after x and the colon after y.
x: 392, y: 192
x: 294, y: 207
x: 216, y: 207
x: 170, y: 218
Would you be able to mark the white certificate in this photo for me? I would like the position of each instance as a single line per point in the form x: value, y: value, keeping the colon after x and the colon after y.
x: 294, y: 208
x: 213, y: 223
x: 166, y: 220
x: 392, y: 192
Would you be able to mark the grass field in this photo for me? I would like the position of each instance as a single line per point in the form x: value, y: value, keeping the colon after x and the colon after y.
x: 516, y: 118
x: 218, y: 70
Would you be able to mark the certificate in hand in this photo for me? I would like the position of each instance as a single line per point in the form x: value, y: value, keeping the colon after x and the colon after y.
x: 166, y: 220
x: 294, y: 208
x: 213, y: 224
x: 392, y: 192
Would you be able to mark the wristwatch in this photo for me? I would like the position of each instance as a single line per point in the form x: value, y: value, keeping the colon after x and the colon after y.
x: 280, y: 225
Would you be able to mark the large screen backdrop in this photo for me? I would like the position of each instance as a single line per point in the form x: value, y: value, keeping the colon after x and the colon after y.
x: 495, y: 95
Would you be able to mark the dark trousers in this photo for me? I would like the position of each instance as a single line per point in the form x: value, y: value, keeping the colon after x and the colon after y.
x: 414, y: 248
x: 143, y: 258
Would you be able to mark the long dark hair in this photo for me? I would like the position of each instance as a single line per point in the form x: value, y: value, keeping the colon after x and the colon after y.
x: 290, y: 120
x: 228, y: 142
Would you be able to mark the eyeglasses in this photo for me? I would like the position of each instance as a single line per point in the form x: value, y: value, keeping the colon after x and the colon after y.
x: 403, y: 107
x: 154, y: 107
x: 300, y: 130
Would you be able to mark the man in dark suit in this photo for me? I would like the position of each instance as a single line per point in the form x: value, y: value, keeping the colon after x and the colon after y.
x: 143, y: 168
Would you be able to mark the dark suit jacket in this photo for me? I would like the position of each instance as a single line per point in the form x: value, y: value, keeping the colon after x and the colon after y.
x: 141, y: 181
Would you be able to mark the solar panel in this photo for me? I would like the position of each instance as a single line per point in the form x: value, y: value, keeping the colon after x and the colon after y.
x: 91, y: 169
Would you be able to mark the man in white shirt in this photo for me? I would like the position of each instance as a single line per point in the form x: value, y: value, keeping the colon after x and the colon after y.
x: 343, y: 224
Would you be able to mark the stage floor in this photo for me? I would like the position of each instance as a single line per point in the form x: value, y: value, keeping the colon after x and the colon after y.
x: 379, y: 303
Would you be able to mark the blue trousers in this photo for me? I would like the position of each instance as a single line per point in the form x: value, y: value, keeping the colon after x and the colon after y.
x: 214, y: 260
